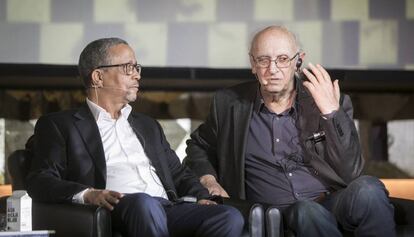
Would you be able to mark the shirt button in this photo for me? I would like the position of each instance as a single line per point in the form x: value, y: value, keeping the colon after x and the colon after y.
x: 290, y: 174
x: 277, y: 140
x: 277, y: 118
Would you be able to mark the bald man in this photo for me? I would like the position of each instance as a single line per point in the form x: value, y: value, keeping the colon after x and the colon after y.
x: 288, y: 139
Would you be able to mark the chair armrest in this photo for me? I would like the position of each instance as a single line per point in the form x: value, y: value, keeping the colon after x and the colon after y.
x: 256, y: 221
x: 3, y: 204
x: 73, y: 219
x: 274, y: 227
x: 252, y: 213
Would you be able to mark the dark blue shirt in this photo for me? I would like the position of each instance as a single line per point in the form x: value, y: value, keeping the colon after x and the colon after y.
x: 275, y: 171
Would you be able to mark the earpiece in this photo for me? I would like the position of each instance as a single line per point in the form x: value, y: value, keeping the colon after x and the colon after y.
x: 298, y: 63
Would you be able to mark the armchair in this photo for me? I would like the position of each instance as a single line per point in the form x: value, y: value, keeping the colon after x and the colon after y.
x: 403, y: 216
x: 93, y: 221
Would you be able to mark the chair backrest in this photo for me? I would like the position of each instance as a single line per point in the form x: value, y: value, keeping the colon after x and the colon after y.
x: 18, y: 164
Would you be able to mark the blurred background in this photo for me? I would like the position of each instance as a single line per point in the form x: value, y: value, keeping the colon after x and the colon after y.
x: 190, y: 48
x: 209, y: 33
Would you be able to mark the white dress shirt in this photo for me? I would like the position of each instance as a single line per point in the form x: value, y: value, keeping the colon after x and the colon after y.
x: 128, y: 169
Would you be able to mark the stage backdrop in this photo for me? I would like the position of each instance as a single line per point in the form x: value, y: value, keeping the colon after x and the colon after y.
x: 209, y: 33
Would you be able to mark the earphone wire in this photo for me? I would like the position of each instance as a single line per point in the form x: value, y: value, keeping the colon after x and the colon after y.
x: 96, y: 94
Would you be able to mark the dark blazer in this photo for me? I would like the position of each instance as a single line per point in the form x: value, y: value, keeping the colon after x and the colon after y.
x: 68, y: 157
x: 218, y: 146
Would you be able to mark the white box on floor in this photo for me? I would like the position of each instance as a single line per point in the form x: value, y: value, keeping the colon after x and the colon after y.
x: 19, y: 211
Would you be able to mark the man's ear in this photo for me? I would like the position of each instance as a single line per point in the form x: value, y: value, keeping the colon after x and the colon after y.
x: 97, y: 78
x: 252, y: 64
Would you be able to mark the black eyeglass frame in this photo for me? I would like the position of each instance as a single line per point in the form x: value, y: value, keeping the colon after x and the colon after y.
x: 136, y: 66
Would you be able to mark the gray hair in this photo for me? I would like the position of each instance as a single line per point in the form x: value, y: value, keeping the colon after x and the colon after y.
x: 95, y: 54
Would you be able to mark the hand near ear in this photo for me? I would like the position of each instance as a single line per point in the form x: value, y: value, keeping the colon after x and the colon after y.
x: 325, y: 92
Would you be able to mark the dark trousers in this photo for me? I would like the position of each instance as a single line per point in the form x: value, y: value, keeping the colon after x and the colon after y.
x: 362, y: 208
x: 142, y: 215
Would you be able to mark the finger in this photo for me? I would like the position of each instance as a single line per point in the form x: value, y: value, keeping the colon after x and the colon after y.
x: 106, y: 204
x: 116, y: 194
x: 112, y: 199
x: 206, y: 202
x: 209, y: 202
x: 201, y: 202
x: 324, y: 73
x: 223, y: 192
x: 309, y: 86
x: 316, y: 72
x: 310, y: 76
x: 337, y: 89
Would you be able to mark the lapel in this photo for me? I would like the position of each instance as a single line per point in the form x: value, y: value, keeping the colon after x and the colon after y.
x: 308, y: 112
x: 242, y: 109
x: 89, y: 132
x: 241, y: 119
x: 308, y: 116
x: 143, y: 131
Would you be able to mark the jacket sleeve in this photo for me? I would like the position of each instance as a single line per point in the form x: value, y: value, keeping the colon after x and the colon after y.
x: 46, y: 178
x: 202, y: 146
x: 343, y: 151
x: 185, y: 182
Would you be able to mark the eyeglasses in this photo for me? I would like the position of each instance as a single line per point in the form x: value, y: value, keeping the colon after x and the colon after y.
x: 281, y: 61
x: 127, y: 67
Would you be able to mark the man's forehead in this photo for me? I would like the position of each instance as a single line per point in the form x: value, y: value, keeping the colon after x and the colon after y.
x: 275, y: 40
x: 274, y: 48
x: 121, y: 51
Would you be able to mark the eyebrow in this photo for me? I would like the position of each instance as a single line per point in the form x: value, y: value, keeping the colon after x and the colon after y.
x: 267, y: 56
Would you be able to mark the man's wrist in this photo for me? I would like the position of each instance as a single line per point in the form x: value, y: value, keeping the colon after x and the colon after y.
x: 80, y: 197
x: 329, y: 115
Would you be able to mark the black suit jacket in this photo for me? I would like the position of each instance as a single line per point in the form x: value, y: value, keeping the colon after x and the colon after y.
x: 218, y: 146
x: 68, y: 157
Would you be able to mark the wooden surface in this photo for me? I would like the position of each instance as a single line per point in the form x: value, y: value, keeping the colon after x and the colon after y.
x: 401, y: 188
x: 5, y: 190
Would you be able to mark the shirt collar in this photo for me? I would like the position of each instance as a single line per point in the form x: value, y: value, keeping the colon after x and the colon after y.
x: 100, y: 113
x: 259, y: 104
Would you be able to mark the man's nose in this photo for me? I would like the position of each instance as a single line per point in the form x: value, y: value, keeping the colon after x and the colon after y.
x: 273, y: 67
x: 136, y: 75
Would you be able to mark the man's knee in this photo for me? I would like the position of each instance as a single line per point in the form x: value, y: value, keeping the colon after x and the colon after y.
x: 367, y: 189
x: 139, y: 198
x: 141, y: 202
x: 223, y: 219
x: 232, y: 216
x: 308, y: 215
x: 307, y: 209
x: 305, y: 212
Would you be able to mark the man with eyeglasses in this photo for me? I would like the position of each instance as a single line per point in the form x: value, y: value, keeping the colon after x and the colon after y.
x: 105, y: 154
x: 288, y: 139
